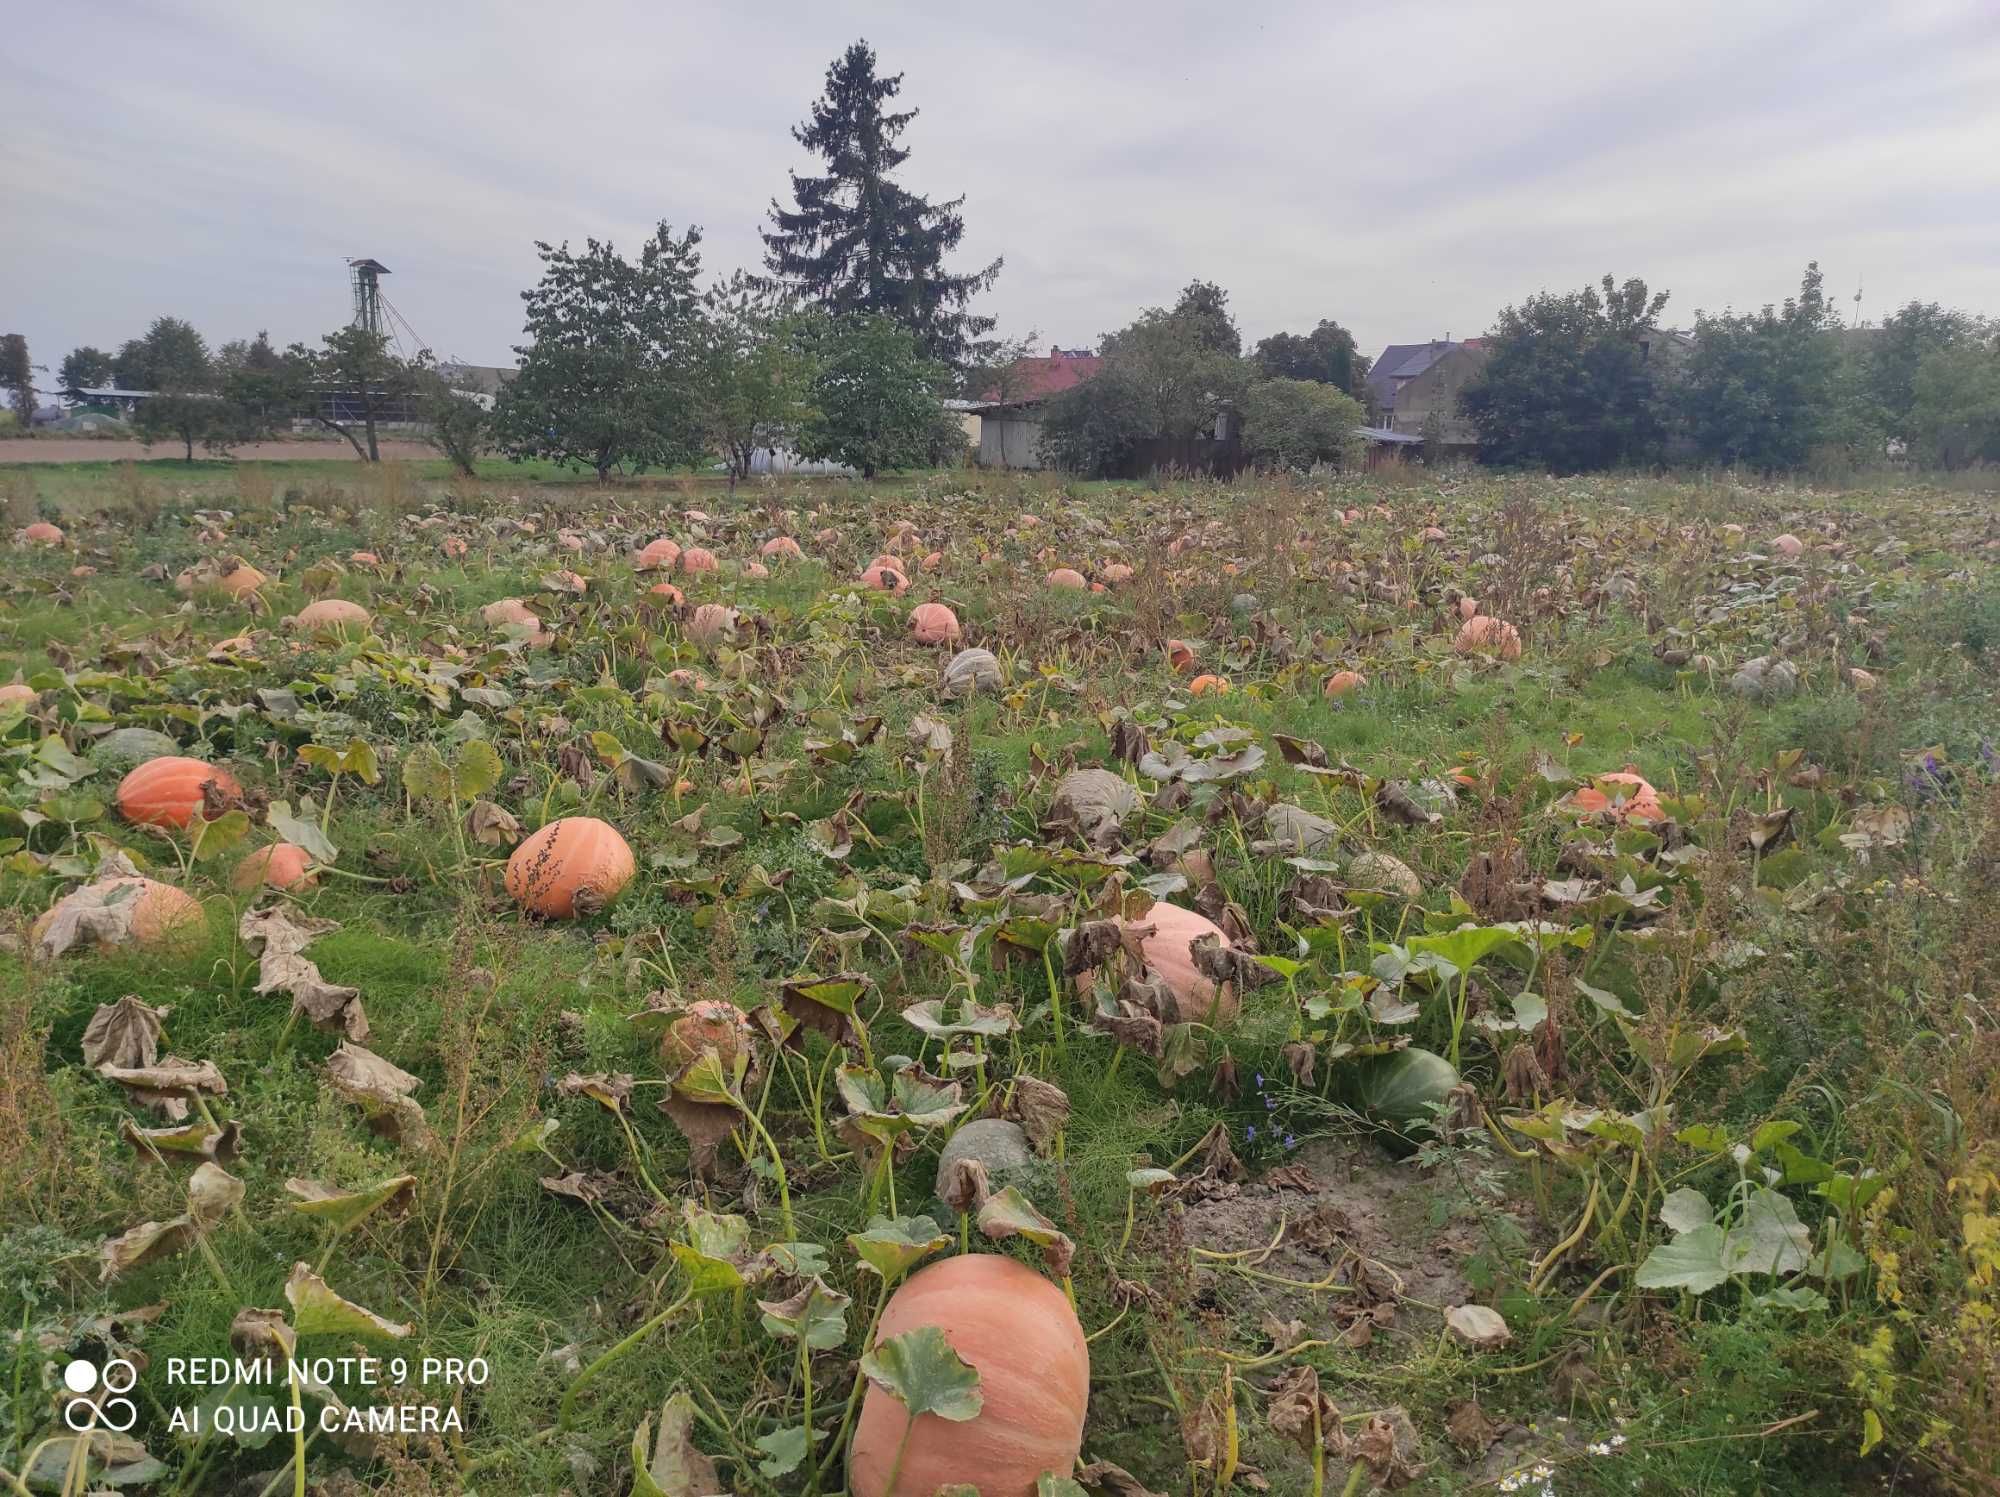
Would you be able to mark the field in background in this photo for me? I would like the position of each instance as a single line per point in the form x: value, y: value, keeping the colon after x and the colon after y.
x: 1751, y: 1029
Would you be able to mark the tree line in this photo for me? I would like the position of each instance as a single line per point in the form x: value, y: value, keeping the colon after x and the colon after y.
x: 1589, y: 380
x: 1176, y: 372
x: 846, y: 343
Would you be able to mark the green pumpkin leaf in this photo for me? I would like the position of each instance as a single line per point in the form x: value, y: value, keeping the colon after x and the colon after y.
x: 892, y: 1248
x: 817, y: 1313
x: 783, y: 1449
x: 1008, y: 1213
x: 211, y: 839
x: 920, y: 1371
x: 301, y: 831
x: 317, y: 1310
x: 341, y: 1209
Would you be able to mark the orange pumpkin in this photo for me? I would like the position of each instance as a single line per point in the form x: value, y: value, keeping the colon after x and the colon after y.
x: 166, y: 792
x: 1340, y: 683
x: 282, y: 865
x: 364, y: 559
x: 332, y: 616
x: 711, y: 1024
x: 161, y: 914
x: 885, y: 580
x: 657, y: 556
x: 1208, y: 685
x: 889, y: 561
x: 1180, y: 655
x: 781, y: 546
x: 667, y: 590
x: 1167, y: 951
x: 755, y: 570
x: 934, y: 624
x: 1788, y: 545
x: 14, y: 693
x: 42, y: 533
x: 509, y: 612
x: 1018, y: 1331
x: 1485, y: 635
x: 698, y: 559
x: 573, y: 866
x: 236, y: 577
x: 1433, y: 534
x: 712, y: 623
x: 452, y: 547
x: 1641, y: 802
x: 1468, y: 608
x: 1116, y: 573
x: 933, y: 562
x: 1067, y: 577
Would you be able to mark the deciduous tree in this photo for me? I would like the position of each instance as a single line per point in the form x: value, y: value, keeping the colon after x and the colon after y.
x: 86, y: 368
x: 1327, y: 354
x: 1568, y: 387
x: 17, y: 376
x: 1296, y: 423
x: 353, y: 383
x: 753, y: 369
x: 875, y: 397
x: 606, y: 376
x: 1765, y: 390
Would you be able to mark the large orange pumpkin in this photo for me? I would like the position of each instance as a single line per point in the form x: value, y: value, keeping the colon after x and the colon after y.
x: 14, y: 693
x: 235, y: 577
x: 780, y: 546
x: 42, y: 533
x: 934, y: 624
x: 505, y: 612
x: 698, y: 559
x: 885, y: 580
x: 332, y: 616
x: 166, y: 792
x: 573, y: 866
x: 1167, y: 950
x: 1180, y: 655
x: 1641, y: 802
x: 282, y: 865
x: 888, y: 559
x: 657, y: 556
x: 1209, y: 685
x: 667, y: 590
x: 161, y: 914
x: 1021, y: 1335
x: 1788, y: 545
x: 712, y: 623
x: 1484, y: 635
x: 1067, y: 577
x: 1340, y: 683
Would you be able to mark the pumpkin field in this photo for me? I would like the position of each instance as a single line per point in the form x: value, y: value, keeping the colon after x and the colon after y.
x: 990, y: 985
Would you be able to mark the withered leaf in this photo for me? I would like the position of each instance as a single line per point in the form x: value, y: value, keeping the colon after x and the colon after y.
x: 381, y: 1090
x: 277, y: 937
x: 1041, y: 1108
x: 125, y: 1033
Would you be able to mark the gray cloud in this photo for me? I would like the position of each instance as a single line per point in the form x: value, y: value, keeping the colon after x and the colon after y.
x: 1405, y: 169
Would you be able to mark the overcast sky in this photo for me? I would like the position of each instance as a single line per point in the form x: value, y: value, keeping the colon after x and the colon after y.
x: 1404, y: 169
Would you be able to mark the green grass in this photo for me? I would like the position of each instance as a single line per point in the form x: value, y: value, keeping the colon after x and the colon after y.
x: 1860, y: 971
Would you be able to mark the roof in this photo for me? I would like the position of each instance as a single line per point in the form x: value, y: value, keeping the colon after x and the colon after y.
x: 111, y: 392
x: 1401, y: 361
x: 477, y: 379
x: 1038, y: 378
x: 1385, y: 434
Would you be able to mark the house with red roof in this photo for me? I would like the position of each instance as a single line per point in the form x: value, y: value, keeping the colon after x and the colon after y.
x: 1009, y: 410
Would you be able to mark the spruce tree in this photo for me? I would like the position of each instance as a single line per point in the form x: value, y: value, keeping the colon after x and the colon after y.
x: 857, y: 242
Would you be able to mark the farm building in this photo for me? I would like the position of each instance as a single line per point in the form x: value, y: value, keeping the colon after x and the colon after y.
x: 1413, y: 385
x: 1010, y: 423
